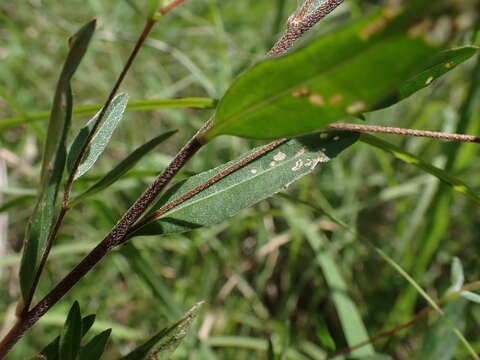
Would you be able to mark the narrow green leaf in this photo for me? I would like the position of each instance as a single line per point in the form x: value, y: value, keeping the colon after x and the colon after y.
x: 257, y: 180
x: 94, y: 349
x: 78, y: 47
x: 41, y: 221
x: 456, y: 184
x: 137, y: 105
x: 347, y: 72
x: 164, y: 343
x: 457, y: 276
x: 439, y: 65
x: 440, y: 342
x: 71, y: 334
x: 53, y: 162
x: 125, y: 165
x: 100, y: 140
x: 348, y: 313
x: 51, y: 351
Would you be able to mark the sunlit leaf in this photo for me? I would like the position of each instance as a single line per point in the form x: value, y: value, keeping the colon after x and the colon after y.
x: 257, y: 180
x: 100, y: 140
x: 347, y: 72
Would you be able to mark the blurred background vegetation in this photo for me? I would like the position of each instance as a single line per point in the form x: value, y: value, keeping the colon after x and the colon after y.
x: 282, y: 269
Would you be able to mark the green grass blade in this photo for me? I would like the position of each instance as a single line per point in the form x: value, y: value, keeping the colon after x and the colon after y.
x: 138, y: 105
x: 455, y: 184
x: 348, y: 313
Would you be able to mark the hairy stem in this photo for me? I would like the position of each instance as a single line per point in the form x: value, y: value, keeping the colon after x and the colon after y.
x: 120, y: 232
x: 405, y: 132
x: 301, y: 23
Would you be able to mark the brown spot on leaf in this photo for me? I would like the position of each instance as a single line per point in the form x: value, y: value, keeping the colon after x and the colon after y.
x: 336, y: 99
x: 316, y: 99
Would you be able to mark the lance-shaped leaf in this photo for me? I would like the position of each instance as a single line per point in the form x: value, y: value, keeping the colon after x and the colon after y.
x: 52, y: 350
x: 257, y: 180
x: 125, y: 165
x: 347, y: 72
x: 165, y: 342
x: 439, y: 65
x: 71, y: 334
x: 100, y: 140
x: 94, y: 349
x: 54, y: 156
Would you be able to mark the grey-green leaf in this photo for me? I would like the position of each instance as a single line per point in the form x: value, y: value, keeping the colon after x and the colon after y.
x: 165, y: 342
x: 257, y: 180
x: 125, y: 165
x: 71, y: 334
x: 347, y: 72
x: 100, y: 140
x: 94, y: 349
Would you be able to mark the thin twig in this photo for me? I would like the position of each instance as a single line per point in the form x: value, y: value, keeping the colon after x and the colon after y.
x: 405, y: 132
x: 299, y: 24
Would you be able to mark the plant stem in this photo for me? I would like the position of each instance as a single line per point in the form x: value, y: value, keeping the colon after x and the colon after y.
x: 206, y: 184
x: 69, y: 183
x: 301, y: 23
x: 120, y: 231
x: 405, y: 132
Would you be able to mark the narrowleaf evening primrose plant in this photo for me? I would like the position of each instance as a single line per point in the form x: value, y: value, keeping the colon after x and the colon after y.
x: 310, y: 96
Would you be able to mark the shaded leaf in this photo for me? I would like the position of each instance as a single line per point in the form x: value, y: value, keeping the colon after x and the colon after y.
x: 125, y: 165
x: 440, y: 342
x: 94, y: 349
x: 439, y: 65
x: 100, y: 140
x: 164, y: 343
x: 71, y: 334
x: 51, y: 351
x: 347, y: 72
x: 53, y: 162
x: 41, y: 221
x: 78, y: 47
x: 259, y: 179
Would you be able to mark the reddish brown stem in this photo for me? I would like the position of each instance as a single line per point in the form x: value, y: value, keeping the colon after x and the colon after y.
x: 405, y: 132
x: 206, y: 184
